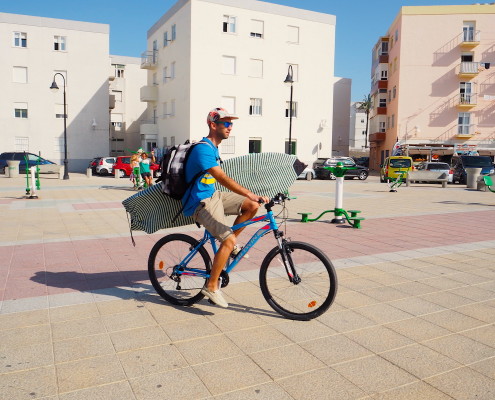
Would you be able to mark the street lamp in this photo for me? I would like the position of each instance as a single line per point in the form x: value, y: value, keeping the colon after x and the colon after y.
x: 290, y: 80
x: 54, y: 88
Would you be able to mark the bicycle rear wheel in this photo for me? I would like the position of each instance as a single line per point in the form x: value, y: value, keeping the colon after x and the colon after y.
x: 313, y: 290
x: 165, y: 273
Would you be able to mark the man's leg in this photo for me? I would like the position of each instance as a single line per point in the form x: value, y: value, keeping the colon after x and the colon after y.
x: 219, y: 262
x: 249, y: 209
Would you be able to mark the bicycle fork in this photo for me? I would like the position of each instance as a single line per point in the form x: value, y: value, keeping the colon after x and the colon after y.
x: 285, y: 254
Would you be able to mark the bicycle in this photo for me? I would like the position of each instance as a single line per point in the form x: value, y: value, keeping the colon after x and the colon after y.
x: 296, y: 279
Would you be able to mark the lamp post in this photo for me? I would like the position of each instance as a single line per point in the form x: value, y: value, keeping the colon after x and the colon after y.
x: 289, y: 79
x: 54, y: 88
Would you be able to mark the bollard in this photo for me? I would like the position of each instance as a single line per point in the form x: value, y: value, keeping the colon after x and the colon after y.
x: 116, y: 173
x: 472, y: 176
x: 89, y: 172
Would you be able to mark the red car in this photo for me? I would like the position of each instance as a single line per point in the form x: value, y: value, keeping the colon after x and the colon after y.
x: 123, y: 164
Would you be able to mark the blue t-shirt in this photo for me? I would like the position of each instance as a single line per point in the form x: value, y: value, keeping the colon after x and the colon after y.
x: 203, y: 156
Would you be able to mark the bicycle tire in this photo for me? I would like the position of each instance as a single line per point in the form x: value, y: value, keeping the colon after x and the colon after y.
x: 305, y: 300
x: 164, y: 256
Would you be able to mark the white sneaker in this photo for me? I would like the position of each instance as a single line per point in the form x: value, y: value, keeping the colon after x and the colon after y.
x: 215, y: 296
x: 237, y: 249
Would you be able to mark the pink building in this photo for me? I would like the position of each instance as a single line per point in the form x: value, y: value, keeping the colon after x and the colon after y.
x: 433, y: 90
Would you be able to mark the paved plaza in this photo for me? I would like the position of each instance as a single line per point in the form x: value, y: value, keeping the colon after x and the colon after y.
x: 413, y: 318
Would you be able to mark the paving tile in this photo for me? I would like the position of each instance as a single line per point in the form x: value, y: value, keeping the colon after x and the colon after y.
x: 77, y: 328
x: 446, y: 299
x: 382, y: 313
x: 118, y: 306
x: 415, y: 288
x: 442, y: 283
x: 464, y: 384
x: 18, y: 337
x: 353, y: 299
x: 322, y: 384
x: 461, y: 348
x: 208, y: 349
x: 484, y: 334
x: 258, y: 339
x: 89, y: 372
x: 452, y: 320
x: 182, y: 383
x: 379, y: 338
x: 268, y: 391
x: 25, y: 357
x: 474, y: 293
x: 230, y: 374
x: 413, y: 391
x: 24, y: 319
x: 420, y: 361
x: 335, y: 349
x: 151, y: 360
x: 374, y: 374
x: 113, y: 391
x: 386, y: 293
x: 131, y: 339
x: 31, y: 384
x: 285, y: 361
x: 416, y: 306
x: 228, y: 322
x: 82, y: 347
x: 128, y: 320
x: 358, y: 284
x: 300, y: 331
x: 78, y: 311
x: 347, y: 320
x: 485, y: 367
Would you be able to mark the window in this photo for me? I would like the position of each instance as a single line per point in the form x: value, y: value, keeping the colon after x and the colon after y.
x: 172, y: 70
x: 119, y: 70
x: 117, y: 121
x: 467, y: 57
x: 389, y: 96
x: 256, y: 28
x: 165, y: 110
x: 384, y: 75
x: 393, y: 120
x: 394, y: 92
x: 255, y: 68
x: 21, y: 143
x: 228, y: 103
x: 294, y: 109
x: 465, y: 92
x: 228, y: 25
x: 255, y: 106
x: 395, y: 64
x: 155, y: 79
x: 165, y: 39
x: 468, y: 31
x: 117, y: 94
x: 19, y: 75
x: 228, y: 65
x: 20, y: 39
x: 172, y: 140
x: 60, y: 80
x: 172, y: 108
x: 254, y: 145
x: 228, y: 145
x: 384, y: 48
x: 382, y: 103
x: 381, y: 125
x: 59, y: 110
x: 396, y: 35
x: 464, y: 123
x: 59, y: 43
x: 174, y: 32
x: 165, y: 141
x: 20, y: 110
x: 293, y: 146
x: 295, y: 71
x: 293, y: 34
x: 165, y: 74
x: 58, y: 144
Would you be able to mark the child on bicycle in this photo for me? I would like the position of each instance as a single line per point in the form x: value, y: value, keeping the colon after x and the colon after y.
x: 208, y: 206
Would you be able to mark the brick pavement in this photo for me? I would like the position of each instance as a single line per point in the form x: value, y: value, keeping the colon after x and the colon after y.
x: 413, y: 318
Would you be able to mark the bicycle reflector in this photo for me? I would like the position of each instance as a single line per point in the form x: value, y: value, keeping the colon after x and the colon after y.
x: 312, y: 304
x: 160, y: 265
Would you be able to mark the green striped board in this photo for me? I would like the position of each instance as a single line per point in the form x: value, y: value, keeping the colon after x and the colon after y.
x: 265, y: 174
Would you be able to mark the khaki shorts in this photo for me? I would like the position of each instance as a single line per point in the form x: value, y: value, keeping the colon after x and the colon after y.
x: 211, y: 213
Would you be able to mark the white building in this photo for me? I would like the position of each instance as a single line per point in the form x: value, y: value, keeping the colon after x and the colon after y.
x: 236, y: 54
x: 127, y: 112
x: 340, y: 122
x: 357, y: 130
x: 33, y: 50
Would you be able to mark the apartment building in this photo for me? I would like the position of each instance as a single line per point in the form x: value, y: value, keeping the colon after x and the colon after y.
x: 236, y: 54
x: 127, y: 112
x: 433, y: 90
x: 357, y: 129
x: 340, y: 121
x: 35, y: 50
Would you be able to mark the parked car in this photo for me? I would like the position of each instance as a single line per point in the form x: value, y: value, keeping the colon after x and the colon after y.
x: 437, y: 167
x: 19, y: 156
x: 104, y: 165
x: 460, y: 163
x: 123, y: 164
x: 359, y: 171
x: 393, y: 165
x: 93, y: 163
x: 308, y: 174
x: 364, y: 161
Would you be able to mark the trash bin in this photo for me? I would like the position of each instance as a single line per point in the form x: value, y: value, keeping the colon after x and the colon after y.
x: 13, y: 167
x: 472, y: 176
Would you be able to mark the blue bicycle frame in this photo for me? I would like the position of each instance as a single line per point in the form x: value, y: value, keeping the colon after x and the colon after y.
x: 271, y: 225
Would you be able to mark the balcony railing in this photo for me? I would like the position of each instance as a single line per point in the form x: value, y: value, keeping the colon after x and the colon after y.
x: 469, y: 38
x: 377, y: 137
x: 149, y: 59
x: 465, y: 131
x: 467, y: 100
x: 148, y: 129
x: 469, y: 69
x: 148, y: 93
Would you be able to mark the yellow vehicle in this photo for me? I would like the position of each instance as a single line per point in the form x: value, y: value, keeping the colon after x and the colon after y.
x: 393, y: 165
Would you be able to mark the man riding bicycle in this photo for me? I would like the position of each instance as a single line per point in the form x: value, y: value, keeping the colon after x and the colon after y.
x: 209, y: 206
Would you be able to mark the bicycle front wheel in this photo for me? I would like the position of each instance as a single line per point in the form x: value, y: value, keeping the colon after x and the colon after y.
x: 166, y: 269
x: 313, y: 287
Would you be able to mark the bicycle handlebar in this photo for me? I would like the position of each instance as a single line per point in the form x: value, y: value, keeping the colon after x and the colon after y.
x: 279, y: 198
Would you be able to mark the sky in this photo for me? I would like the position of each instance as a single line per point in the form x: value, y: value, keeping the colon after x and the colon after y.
x: 359, y: 25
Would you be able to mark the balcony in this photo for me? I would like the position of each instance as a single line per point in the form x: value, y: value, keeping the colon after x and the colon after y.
x: 382, y: 84
x: 149, y: 59
x: 465, y: 132
x: 148, y: 130
x: 468, y: 70
x: 469, y: 39
x: 466, y: 101
x: 381, y: 111
x: 377, y: 137
x: 149, y: 93
x: 111, y: 102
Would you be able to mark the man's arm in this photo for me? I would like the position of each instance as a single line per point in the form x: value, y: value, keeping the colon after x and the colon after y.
x: 232, y: 185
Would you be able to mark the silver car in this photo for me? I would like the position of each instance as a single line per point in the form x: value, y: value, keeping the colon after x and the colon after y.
x: 437, y: 167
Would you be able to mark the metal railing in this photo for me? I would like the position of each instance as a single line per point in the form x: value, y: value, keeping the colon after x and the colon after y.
x: 149, y: 57
x: 468, y: 67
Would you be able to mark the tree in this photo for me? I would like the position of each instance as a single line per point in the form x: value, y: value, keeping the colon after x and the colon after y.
x: 365, y: 106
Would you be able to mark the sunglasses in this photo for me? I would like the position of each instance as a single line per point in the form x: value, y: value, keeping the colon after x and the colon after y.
x: 227, y: 124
